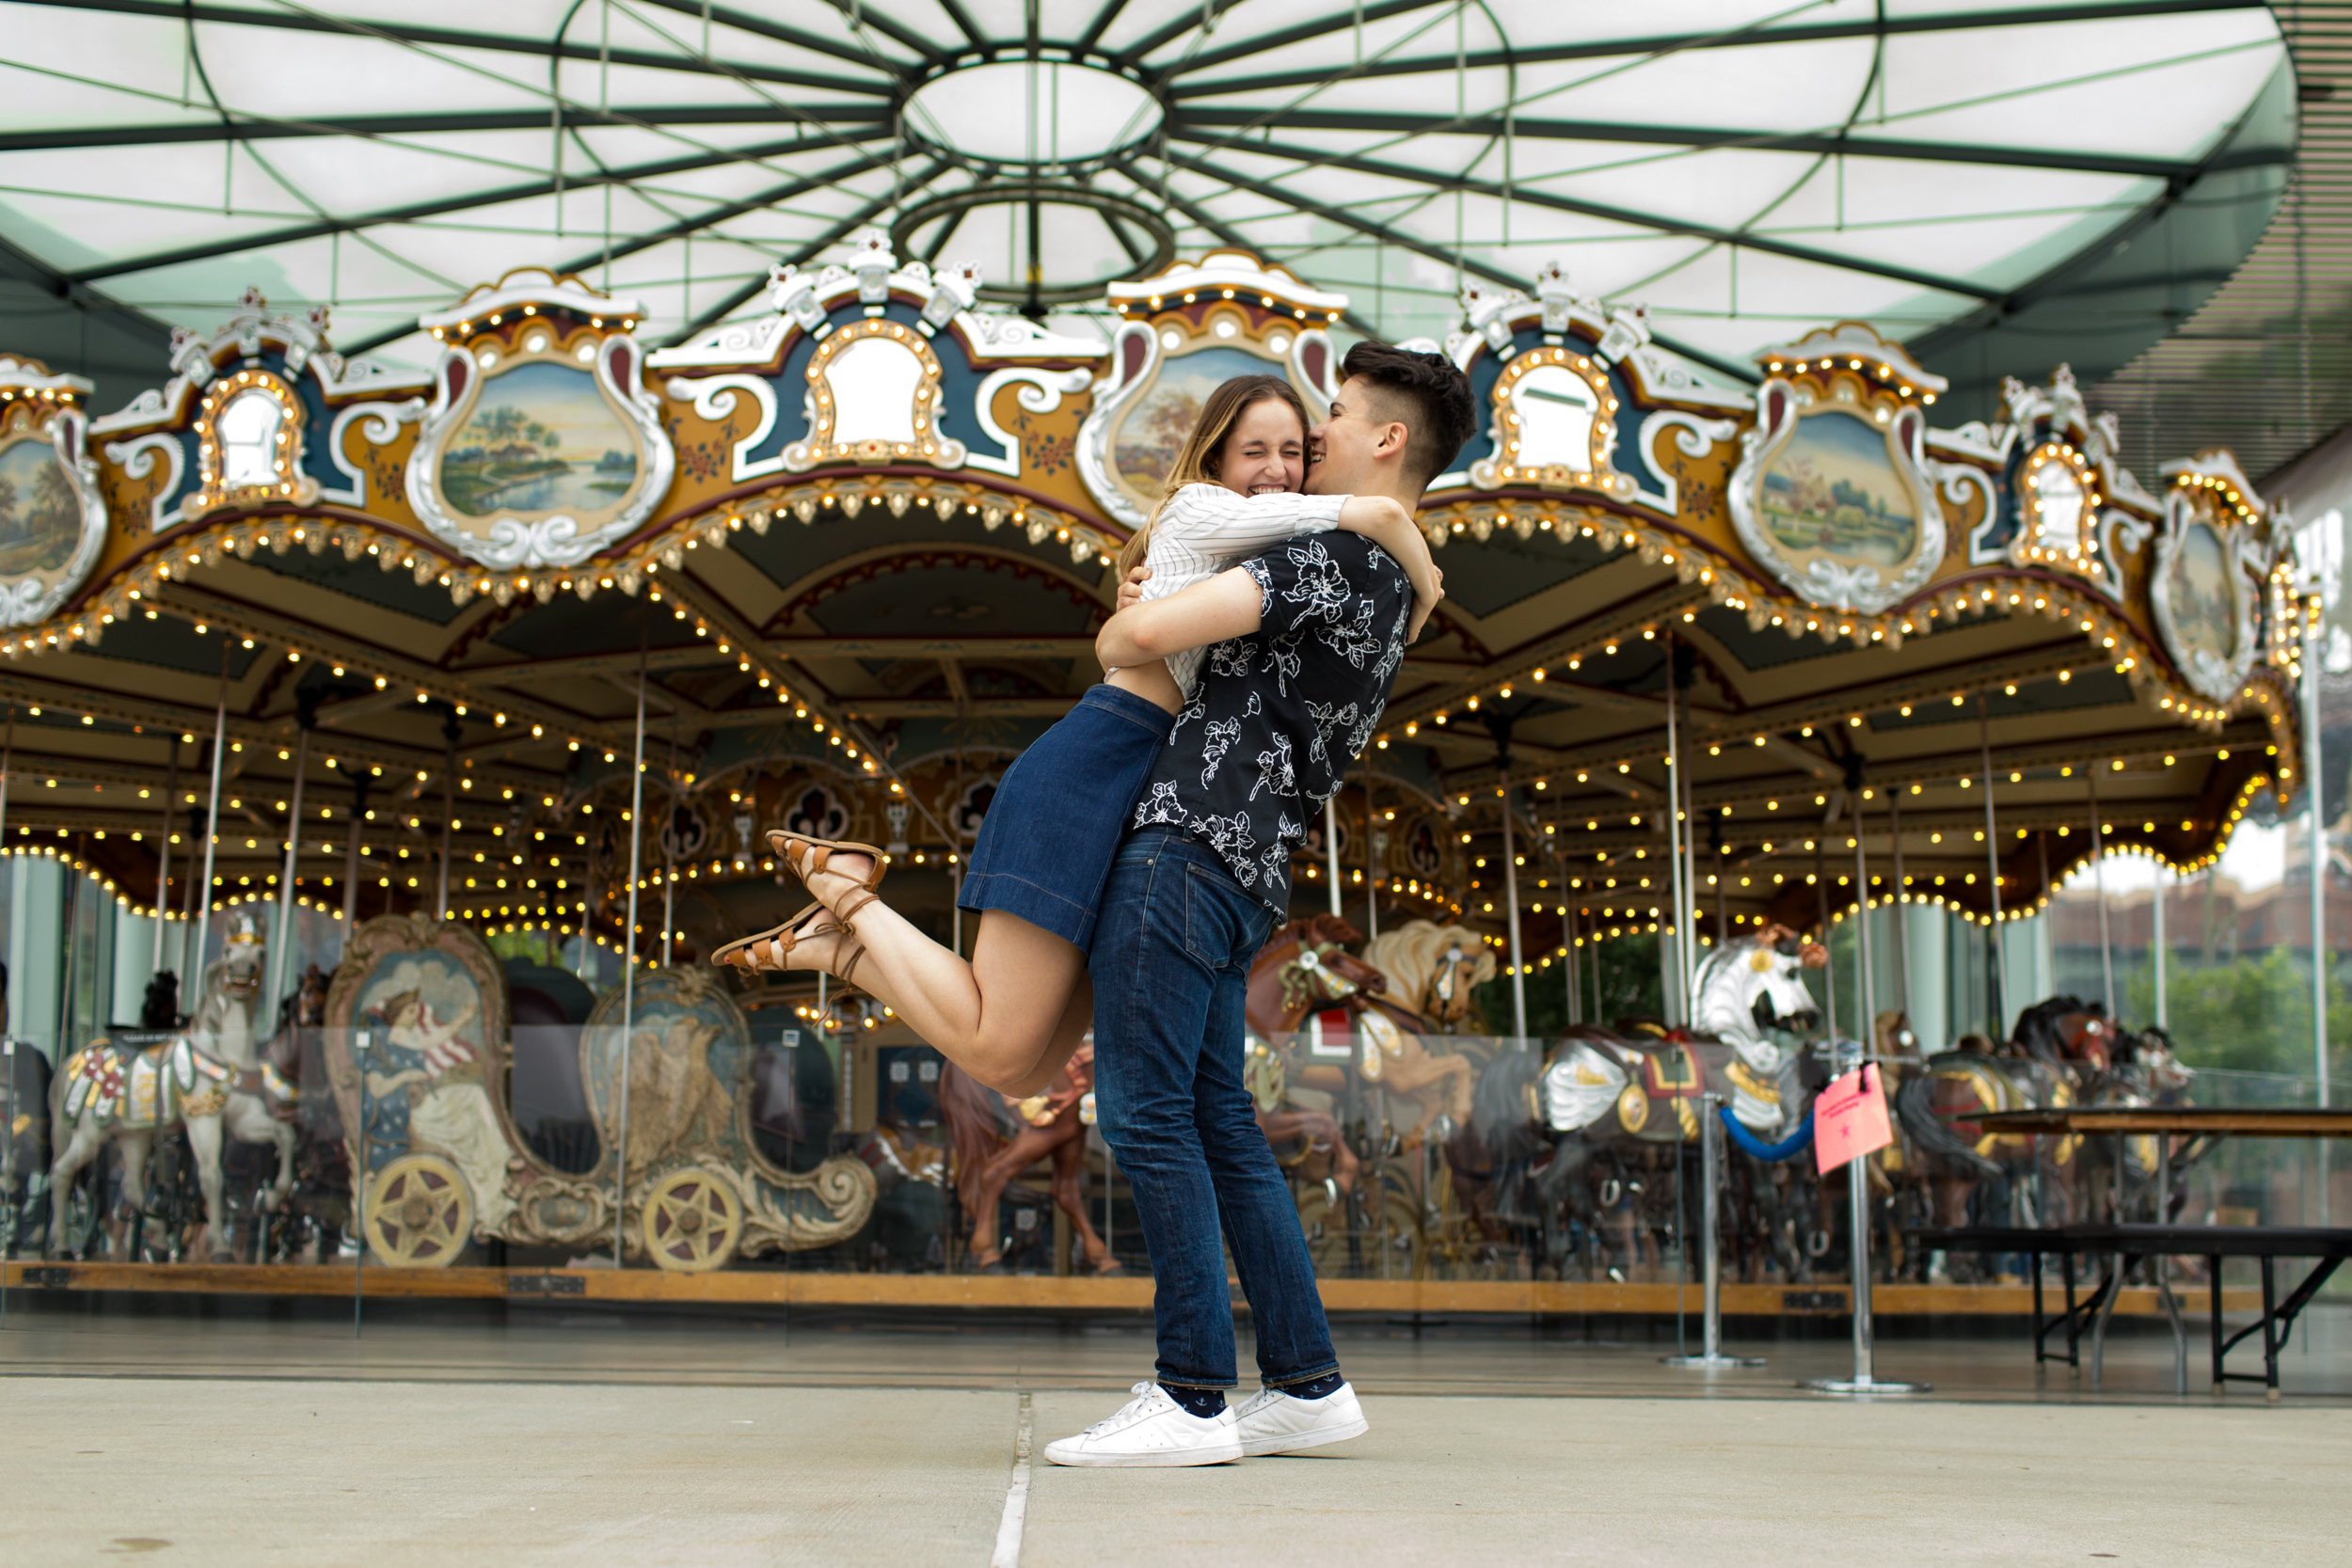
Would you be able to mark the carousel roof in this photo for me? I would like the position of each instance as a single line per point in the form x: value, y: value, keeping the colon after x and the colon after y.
x: 1952, y: 169
x: 421, y: 508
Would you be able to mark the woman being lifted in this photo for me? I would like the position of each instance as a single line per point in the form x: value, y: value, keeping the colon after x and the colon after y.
x: 1012, y: 1015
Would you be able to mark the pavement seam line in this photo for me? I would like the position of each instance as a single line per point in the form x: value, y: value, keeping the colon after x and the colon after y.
x: 1008, y: 1553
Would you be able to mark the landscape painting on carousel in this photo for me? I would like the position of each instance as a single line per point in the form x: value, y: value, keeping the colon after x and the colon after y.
x: 541, y: 440
x: 1831, y: 493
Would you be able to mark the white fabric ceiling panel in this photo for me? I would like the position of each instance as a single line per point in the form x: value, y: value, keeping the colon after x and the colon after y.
x: 1718, y: 116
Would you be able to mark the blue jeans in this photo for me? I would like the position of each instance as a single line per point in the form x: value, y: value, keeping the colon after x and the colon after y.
x: 1174, y: 942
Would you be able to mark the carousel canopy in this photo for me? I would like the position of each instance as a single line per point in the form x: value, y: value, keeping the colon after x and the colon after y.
x: 2005, y: 186
x: 791, y: 460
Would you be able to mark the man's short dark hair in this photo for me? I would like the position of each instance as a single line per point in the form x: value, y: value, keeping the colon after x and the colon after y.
x: 1429, y: 394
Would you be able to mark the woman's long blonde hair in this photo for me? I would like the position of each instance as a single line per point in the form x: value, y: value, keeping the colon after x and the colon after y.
x: 1203, y: 451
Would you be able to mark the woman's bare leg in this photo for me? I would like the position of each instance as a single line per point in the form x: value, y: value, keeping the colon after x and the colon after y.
x: 1003, y: 1017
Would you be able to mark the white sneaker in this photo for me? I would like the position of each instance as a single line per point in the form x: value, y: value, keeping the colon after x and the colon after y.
x: 1153, y: 1429
x: 1275, y: 1422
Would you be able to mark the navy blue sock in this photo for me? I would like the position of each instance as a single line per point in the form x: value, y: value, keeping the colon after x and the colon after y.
x: 1316, y: 1387
x: 1204, y: 1403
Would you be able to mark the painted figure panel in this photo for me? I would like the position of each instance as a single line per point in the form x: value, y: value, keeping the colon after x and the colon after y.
x: 2200, y: 594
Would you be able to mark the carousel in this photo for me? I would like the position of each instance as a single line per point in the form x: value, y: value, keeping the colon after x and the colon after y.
x: 504, y: 673
x: 403, y: 676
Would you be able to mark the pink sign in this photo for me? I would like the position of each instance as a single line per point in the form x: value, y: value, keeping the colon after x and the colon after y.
x: 1850, y: 1120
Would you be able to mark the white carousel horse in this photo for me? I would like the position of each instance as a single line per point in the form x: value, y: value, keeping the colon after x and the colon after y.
x: 1743, y: 988
x: 209, y: 1079
x: 1433, y: 969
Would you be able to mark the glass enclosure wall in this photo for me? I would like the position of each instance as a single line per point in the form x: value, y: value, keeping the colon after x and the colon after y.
x: 773, y: 1139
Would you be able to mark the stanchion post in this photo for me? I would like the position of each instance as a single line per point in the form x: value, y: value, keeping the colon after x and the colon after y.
x: 1711, y: 1357
x: 1865, y: 1379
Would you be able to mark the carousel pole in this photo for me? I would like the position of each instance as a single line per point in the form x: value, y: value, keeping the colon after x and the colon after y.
x: 669, y: 855
x: 449, y: 807
x: 628, y: 950
x: 1594, y: 938
x: 1678, y: 973
x: 1376, y: 840
x: 1511, y: 891
x: 1332, y: 846
x: 2049, y: 950
x: 202, y: 893
x: 351, y: 855
x: 1829, y: 970
x: 2156, y: 938
x: 1723, y: 918
x: 286, y: 877
x: 1902, y: 896
x: 1865, y: 988
x: 1996, y: 971
x: 2099, y: 884
x: 162, y: 846
x: 1575, y: 1012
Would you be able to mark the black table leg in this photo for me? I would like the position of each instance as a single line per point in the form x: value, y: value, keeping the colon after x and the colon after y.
x: 2073, y: 1360
x: 2212, y: 1277
x: 2034, y: 1260
x: 2271, y: 1332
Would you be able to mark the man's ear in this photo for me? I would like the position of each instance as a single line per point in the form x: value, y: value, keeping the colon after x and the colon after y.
x: 1393, y: 440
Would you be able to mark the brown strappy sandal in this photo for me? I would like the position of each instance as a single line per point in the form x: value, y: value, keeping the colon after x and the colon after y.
x: 779, y: 941
x: 823, y: 850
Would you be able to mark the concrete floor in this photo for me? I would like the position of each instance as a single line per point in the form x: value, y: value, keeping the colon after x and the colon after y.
x: 321, y: 1474
x: 206, y: 1439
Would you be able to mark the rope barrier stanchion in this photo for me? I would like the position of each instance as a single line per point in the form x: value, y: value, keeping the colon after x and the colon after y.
x: 1711, y: 1359
x: 1863, y: 1380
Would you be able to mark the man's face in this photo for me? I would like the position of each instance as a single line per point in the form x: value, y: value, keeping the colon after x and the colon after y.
x: 1340, y: 451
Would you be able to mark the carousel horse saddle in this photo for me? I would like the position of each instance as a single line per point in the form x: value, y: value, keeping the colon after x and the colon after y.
x: 137, y: 1083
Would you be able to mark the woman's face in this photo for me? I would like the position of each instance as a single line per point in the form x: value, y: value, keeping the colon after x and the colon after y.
x: 1265, y: 451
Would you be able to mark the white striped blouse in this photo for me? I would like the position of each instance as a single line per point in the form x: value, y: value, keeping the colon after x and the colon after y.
x: 1206, y: 528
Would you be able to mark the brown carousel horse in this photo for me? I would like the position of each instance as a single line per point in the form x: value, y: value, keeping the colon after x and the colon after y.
x: 2065, y: 1052
x: 996, y: 1137
x: 1304, y: 980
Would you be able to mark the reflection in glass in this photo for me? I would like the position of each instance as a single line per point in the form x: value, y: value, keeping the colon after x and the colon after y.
x: 248, y: 438
x: 873, y: 382
x: 1556, y: 409
x: 2057, y: 498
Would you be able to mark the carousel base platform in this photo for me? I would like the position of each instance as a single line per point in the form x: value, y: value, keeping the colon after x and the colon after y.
x: 756, y: 1288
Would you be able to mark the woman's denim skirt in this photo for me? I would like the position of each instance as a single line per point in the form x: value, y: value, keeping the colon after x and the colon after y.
x: 1044, y: 849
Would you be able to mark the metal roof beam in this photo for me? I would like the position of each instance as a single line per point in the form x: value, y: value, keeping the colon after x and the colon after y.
x: 1668, y: 44
x: 761, y: 26
x: 839, y: 231
x: 1227, y: 234
x: 457, y: 37
x: 1314, y: 158
x: 240, y: 126
x: 1207, y: 14
x: 1814, y: 143
x: 726, y: 211
x: 416, y: 211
